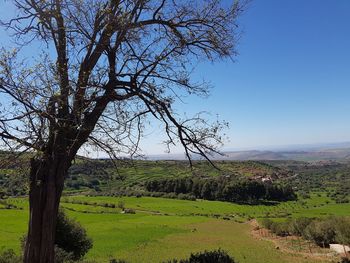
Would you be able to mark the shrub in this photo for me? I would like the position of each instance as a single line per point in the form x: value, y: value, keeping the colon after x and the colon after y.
x: 342, y: 230
x: 94, y: 182
x: 62, y: 256
x: 9, y: 256
x: 215, y: 256
x: 186, y: 197
x: 117, y: 261
x: 71, y: 237
x: 71, y: 241
x: 280, y: 228
x: 267, y: 223
x: 322, y: 232
x: 298, y: 225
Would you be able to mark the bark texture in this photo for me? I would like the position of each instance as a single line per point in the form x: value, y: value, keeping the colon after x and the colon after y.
x: 46, y: 185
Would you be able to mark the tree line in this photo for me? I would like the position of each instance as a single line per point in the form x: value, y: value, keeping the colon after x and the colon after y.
x: 223, y: 189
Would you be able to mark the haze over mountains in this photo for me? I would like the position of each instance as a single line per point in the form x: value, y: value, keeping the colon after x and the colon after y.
x: 312, y: 152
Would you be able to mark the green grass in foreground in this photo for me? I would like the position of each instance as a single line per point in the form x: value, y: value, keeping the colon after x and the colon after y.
x: 178, y: 229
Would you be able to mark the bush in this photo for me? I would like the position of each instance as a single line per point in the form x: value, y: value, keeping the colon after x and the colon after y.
x: 321, y: 232
x: 62, y: 256
x: 71, y: 237
x: 186, y: 197
x: 9, y: 256
x: 280, y: 228
x: 298, y: 225
x: 215, y: 256
x: 94, y: 182
x: 117, y: 261
x: 71, y: 241
x: 267, y: 223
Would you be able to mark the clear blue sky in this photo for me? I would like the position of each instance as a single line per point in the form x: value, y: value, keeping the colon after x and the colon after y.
x: 290, y: 83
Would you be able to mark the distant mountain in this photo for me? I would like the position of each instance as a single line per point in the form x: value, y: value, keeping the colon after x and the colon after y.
x: 326, y: 154
x: 331, y: 151
x: 296, y: 147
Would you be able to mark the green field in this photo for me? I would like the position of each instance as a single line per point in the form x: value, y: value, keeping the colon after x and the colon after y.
x: 163, y: 228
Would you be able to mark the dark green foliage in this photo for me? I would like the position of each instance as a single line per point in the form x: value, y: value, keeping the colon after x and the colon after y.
x: 71, y: 237
x: 12, y: 184
x: 101, y: 176
x: 326, y: 176
x: 279, y: 228
x: 215, y: 256
x: 62, y: 256
x: 117, y: 261
x: 223, y: 189
x: 267, y: 223
x: 342, y: 230
x: 321, y: 232
x: 298, y: 225
x: 13, y: 171
x: 71, y: 240
x: 9, y: 256
x: 218, y: 256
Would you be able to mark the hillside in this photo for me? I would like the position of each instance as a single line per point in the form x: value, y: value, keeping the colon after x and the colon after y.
x: 105, y: 175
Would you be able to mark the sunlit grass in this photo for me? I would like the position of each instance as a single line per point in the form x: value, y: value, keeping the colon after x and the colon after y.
x: 168, y: 228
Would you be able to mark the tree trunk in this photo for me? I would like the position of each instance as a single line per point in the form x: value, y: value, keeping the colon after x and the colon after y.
x: 46, y: 185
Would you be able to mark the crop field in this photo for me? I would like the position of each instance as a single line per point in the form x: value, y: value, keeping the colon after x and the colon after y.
x: 317, y: 205
x: 163, y: 229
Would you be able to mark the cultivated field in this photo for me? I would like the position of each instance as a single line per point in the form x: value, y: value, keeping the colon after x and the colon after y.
x: 163, y: 229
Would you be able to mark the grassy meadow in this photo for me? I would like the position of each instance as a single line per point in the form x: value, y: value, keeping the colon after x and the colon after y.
x: 163, y: 228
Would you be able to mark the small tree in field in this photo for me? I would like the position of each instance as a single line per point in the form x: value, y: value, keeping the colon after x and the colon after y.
x: 71, y: 237
x: 106, y: 67
x: 71, y: 240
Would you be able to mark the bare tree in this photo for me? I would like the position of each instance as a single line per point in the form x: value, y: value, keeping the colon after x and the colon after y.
x: 107, y: 66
